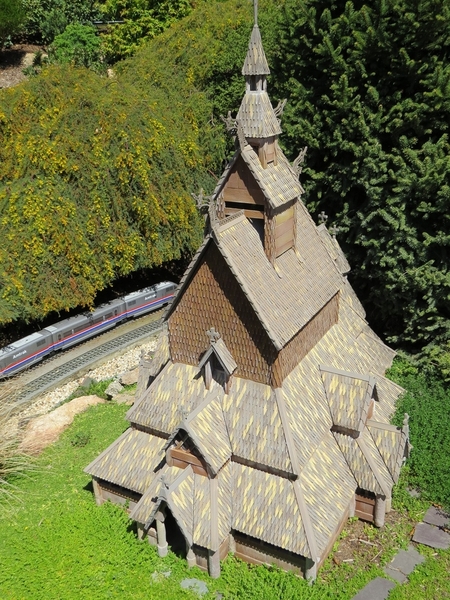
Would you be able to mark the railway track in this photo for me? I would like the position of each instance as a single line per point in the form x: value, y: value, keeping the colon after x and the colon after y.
x: 79, y: 360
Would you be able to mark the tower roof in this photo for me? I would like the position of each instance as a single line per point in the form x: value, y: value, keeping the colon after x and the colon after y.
x: 255, y: 62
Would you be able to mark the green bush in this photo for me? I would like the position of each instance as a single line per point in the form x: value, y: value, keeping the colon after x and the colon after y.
x: 12, y: 16
x: 427, y: 401
x: 79, y: 45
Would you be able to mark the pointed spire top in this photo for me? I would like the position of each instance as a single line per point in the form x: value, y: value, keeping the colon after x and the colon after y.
x: 255, y: 62
x: 255, y: 10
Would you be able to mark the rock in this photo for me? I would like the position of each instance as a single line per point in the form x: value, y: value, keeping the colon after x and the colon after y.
x: 157, y: 577
x: 130, y: 377
x: 87, y: 382
x: 377, y: 589
x: 437, y: 516
x: 43, y: 431
x: 124, y: 399
x: 430, y: 535
x: 113, y: 389
x: 196, y: 585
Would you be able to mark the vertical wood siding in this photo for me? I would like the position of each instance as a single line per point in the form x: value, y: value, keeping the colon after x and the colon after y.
x: 304, y: 341
x: 214, y: 299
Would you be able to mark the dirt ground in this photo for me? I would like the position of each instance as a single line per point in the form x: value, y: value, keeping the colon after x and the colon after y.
x: 362, y: 545
x: 12, y: 62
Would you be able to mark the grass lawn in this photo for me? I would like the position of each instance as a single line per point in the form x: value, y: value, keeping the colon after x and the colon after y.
x: 57, y: 544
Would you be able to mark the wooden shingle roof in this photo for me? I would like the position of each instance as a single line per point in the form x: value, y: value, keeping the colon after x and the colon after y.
x: 257, y: 117
x: 255, y: 62
x: 130, y: 461
x: 278, y: 183
x: 283, y: 307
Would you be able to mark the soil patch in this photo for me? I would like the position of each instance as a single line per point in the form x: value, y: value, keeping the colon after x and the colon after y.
x: 12, y: 62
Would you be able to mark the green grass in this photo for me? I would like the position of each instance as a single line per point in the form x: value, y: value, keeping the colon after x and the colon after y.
x: 57, y: 544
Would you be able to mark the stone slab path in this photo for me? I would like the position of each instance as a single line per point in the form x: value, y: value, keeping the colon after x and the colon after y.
x: 432, y: 532
x: 403, y: 564
x: 377, y: 589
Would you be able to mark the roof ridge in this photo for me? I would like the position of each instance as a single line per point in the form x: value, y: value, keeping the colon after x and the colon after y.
x: 373, y: 466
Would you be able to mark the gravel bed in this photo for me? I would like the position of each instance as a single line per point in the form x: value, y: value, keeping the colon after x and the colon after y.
x: 111, y: 369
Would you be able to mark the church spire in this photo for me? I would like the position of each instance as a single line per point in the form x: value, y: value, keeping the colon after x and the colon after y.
x: 256, y: 115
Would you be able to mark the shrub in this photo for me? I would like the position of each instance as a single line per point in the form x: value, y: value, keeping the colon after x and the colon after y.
x: 79, y: 45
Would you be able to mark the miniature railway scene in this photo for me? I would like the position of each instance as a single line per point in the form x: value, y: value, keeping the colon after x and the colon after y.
x: 261, y: 426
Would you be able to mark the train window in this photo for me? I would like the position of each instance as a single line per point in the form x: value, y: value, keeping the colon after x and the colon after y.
x: 66, y: 335
x: 41, y: 342
x: 108, y: 315
x: 132, y: 303
x: 97, y: 320
x: 78, y: 329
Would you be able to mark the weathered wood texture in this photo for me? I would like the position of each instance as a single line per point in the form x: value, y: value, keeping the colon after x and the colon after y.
x: 242, y: 187
x: 258, y: 552
x: 284, y: 231
x: 177, y: 457
x: 304, y: 341
x: 214, y: 299
x: 365, y: 507
x: 115, y: 493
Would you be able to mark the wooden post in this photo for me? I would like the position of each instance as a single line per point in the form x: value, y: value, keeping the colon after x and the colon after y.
x: 310, y: 570
x: 352, y: 507
x: 214, y: 564
x: 163, y: 546
x: 140, y: 531
x: 190, y: 556
x: 97, y: 492
x: 380, y: 510
x: 388, y: 504
x: 232, y: 544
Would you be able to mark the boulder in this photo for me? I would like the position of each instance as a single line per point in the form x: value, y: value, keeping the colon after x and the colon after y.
x: 130, y: 377
x: 46, y: 429
x: 113, y: 389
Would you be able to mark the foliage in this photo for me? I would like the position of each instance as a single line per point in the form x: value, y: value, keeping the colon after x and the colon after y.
x: 427, y: 401
x: 79, y: 45
x: 95, y: 176
x: 48, y: 18
x: 141, y: 20
x: 12, y: 461
x: 369, y: 94
x: 12, y: 16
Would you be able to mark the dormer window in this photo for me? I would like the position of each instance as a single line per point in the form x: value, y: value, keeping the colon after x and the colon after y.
x: 217, y: 362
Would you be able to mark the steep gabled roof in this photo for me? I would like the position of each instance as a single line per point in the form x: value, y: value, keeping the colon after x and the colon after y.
x: 223, y: 355
x: 334, y: 249
x: 130, y: 461
x: 349, y: 396
x: 255, y: 62
x: 283, y: 307
x: 278, y: 183
x: 391, y: 443
x: 207, y: 429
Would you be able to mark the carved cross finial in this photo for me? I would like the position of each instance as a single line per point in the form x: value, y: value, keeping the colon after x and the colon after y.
x: 334, y: 230
x: 213, y: 335
x: 255, y: 11
x: 230, y: 123
x: 241, y: 136
x: 296, y: 165
x: 323, y: 217
x: 202, y: 201
x: 406, y: 420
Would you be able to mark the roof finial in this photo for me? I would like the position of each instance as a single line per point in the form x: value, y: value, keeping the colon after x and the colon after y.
x: 255, y: 9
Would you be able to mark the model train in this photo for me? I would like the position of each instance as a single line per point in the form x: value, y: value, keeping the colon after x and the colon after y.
x: 33, y: 348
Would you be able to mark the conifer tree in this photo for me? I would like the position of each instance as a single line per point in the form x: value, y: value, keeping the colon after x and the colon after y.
x: 369, y: 94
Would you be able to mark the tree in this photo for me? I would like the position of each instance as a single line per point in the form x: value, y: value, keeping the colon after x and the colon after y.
x: 369, y: 93
x: 12, y: 16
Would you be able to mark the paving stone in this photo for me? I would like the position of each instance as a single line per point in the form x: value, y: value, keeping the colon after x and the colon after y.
x: 124, y: 399
x: 196, y: 585
x: 395, y: 574
x: 406, y: 560
x: 377, y: 589
x: 130, y: 377
x: 436, y: 516
x: 413, y: 492
x: 431, y: 536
